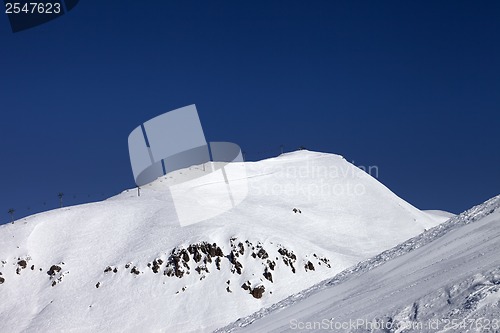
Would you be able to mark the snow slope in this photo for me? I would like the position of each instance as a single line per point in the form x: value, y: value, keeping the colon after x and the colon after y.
x: 445, y: 280
x: 126, y: 264
x: 441, y: 213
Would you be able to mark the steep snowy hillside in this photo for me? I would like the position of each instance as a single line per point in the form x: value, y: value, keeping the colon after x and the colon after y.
x: 445, y: 280
x: 126, y: 263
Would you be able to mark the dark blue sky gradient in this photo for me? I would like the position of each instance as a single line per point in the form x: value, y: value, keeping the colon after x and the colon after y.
x: 410, y: 86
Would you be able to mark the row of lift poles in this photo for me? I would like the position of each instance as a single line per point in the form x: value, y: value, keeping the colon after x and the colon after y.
x: 243, y: 154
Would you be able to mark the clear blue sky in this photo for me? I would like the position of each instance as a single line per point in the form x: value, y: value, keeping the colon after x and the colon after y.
x: 410, y: 86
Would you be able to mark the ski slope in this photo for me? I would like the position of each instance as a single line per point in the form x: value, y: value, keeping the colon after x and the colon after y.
x: 440, y: 213
x: 126, y: 264
x: 444, y: 280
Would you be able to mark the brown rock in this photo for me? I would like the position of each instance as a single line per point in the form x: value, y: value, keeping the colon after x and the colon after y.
x: 257, y: 292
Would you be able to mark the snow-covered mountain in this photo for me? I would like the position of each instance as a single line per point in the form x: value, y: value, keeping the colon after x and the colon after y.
x: 447, y: 279
x: 126, y: 263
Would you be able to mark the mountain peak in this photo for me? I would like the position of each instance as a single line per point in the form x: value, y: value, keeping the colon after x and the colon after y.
x: 305, y: 216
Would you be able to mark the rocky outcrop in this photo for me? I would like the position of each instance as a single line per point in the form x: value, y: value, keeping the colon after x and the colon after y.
x: 256, y: 292
x: 309, y: 266
x: 325, y: 260
x: 56, y: 274
x: 202, y: 259
x: 135, y: 271
x: 53, y: 270
x: 288, y: 257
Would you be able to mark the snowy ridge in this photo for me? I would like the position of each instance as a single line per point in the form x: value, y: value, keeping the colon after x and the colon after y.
x: 489, y: 279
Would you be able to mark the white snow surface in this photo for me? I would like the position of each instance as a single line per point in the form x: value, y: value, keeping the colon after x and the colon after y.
x: 446, y: 279
x: 346, y: 216
x: 441, y: 213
